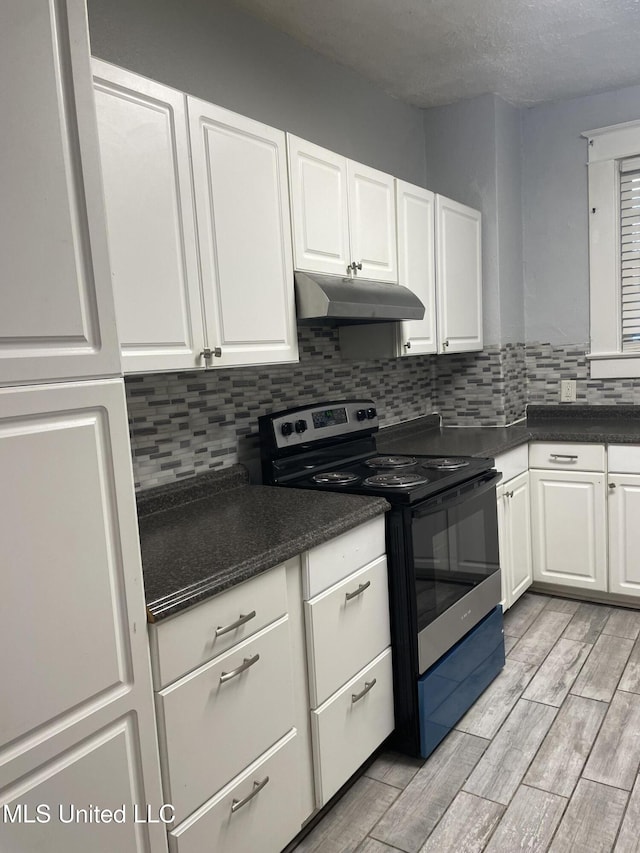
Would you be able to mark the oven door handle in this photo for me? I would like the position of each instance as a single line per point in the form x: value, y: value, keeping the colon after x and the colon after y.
x: 475, y: 488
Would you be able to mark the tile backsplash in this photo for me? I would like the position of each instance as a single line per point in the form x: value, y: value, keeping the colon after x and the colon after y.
x: 185, y: 423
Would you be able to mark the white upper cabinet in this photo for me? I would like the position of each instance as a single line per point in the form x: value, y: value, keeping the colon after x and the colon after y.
x: 343, y: 214
x: 244, y: 233
x: 416, y: 265
x: 199, y: 229
x: 144, y: 146
x: 458, y: 276
x: 372, y: 217
x: 318, y: 183
x: 56, y: 308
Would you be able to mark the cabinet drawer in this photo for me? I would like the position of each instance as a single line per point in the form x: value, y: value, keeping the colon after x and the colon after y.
x: 513, y: 462
x: 624, y: 458
x: 347, y: 626
x: 347, y: 729
x: 566, y: 456
x: 215, y: 726
x: 190, y: 639
x: 334, y: 560
x: 266, y: 822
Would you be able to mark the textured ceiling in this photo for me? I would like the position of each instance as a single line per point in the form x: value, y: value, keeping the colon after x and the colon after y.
x: 430, y: 52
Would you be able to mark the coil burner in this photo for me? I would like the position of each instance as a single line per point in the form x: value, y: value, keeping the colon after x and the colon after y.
x: 446, y: 463
x: 391, y: 462
x: 395, y: 481
x: 335, y: 478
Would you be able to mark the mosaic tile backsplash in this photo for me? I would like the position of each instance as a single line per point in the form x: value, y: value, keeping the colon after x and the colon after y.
x: 185, y: 423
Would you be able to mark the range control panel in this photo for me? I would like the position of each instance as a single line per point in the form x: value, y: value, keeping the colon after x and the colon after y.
x: 305, y: 425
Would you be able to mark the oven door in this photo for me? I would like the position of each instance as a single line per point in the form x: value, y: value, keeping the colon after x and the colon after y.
x: 456, y: 564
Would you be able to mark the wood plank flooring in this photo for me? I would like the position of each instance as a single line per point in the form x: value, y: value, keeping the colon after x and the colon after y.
x: 546, y: 760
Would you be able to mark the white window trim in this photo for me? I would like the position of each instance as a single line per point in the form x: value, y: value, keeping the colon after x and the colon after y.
x: 607, y: 145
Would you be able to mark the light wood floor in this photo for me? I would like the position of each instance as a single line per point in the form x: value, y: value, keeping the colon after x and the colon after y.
x: 547, y: 758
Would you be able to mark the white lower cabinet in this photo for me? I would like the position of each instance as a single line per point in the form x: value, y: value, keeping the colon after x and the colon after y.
x: 246, y: 758
x: 254, y: 812
x: 569, y: 528
x: 349, y: 726
x: 514, y: 531
x: 624, y: 533
x: 339, y: 622
x: 237, y: 705
x: 348, y: 653
x: 569, y: 514
x: 237, y: 718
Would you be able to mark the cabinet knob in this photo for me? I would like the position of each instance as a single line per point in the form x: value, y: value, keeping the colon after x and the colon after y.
x: 407, y: 345
x: 445, y: 344
x: 612, y: 485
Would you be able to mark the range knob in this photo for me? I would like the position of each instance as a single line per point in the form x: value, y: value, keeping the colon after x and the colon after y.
x: 301, y: 426
x: 361, y: 414
x: 286, y: 428
x: 371, y: 413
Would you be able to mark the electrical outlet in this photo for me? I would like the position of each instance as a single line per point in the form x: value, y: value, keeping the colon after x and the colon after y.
x: 567, y: 390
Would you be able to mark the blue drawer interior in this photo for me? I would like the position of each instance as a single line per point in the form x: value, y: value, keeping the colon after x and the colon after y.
x: 449, y: 688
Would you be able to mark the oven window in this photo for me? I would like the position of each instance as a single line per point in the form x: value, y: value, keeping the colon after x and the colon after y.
x: 455, y: 548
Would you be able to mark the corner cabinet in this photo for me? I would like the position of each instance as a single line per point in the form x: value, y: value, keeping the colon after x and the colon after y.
x: 343, y: 214
x: 458, y: 276
x: 201, y: 248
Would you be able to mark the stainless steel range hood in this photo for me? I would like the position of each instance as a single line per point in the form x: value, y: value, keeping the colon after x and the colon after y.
x: 345, y: 300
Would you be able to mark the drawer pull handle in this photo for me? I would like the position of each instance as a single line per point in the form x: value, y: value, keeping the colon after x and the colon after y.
x: 257, y: 787
x: 246, y: 663
x: 557, y: 456
x: 356, y: 697
x: 359, y: 591
x: 220, y: 630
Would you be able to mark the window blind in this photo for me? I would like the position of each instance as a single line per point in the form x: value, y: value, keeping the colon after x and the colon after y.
x: 630, y: 253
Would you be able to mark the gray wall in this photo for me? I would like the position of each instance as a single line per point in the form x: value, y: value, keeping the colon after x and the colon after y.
x: 509, y: 228
x: 555, y: 211
x: 217, y: 52
x: 474, y: 156
x: 461, y: 164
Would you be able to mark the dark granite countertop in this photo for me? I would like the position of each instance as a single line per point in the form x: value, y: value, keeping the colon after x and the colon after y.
x: 203, y: 536
x: 596, y: 424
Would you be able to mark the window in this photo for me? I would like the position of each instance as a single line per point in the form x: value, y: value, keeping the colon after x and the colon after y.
x: 614, y: 250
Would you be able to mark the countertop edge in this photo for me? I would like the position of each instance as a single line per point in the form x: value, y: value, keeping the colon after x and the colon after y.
x: 181, y: 600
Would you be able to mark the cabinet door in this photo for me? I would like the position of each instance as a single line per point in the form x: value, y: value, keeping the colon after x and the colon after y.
x: 318, y: 186
x: 568, y: 528
x: 144, y: 148
x: 56, y: 308
x: 624, y: 533
x: 416, y: 264
x: 458, y: 276
x: 372, y: 222
x: 244, y: 233
x: 43, y: 810
x: 515, y: 538
x: 73, y: 642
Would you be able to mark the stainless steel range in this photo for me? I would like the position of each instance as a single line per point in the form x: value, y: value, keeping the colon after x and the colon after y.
x: 442, y: 547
